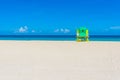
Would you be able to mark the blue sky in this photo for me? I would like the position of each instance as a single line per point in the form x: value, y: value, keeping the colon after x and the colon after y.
x: 101, y: 17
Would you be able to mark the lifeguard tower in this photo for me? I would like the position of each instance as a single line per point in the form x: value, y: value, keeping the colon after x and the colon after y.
x: 82, y: 34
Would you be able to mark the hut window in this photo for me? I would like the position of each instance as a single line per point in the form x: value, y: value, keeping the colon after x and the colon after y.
x: 82, y: 30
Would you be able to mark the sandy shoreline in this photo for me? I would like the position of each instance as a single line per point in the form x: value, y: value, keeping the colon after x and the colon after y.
x: 60, y: 60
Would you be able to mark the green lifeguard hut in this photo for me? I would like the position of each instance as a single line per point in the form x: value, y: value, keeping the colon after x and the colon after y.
x: 82, y: 34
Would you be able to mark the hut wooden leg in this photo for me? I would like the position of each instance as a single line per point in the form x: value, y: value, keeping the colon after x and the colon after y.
x: 87, y: 39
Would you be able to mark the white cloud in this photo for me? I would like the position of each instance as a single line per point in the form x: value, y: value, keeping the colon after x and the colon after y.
x: 67, y: 31
x: 36, y: 31
x: 115, y: 27
x: 57, y: 30
x: 23, y: 29
x: 33, y: 31
x: 62, y: 30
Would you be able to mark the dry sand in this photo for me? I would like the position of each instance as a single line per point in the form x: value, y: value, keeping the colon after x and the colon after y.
x: 45, y: 60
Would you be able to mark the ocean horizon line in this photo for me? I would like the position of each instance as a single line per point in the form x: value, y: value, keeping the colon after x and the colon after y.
x: 60, y: 36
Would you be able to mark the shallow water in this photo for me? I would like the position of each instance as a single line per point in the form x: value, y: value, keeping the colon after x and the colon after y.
x: 57, y: 38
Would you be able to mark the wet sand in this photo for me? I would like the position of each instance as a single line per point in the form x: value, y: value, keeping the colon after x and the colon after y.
x: 60, y: 60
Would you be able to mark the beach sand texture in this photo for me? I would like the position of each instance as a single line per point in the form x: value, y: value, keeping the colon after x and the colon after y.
x: 60, y: 60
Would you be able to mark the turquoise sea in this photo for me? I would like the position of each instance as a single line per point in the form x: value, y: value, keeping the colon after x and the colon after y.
x: 58, y: 37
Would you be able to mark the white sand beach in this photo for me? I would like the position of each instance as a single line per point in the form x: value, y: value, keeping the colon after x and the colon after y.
x: 60, y: 60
